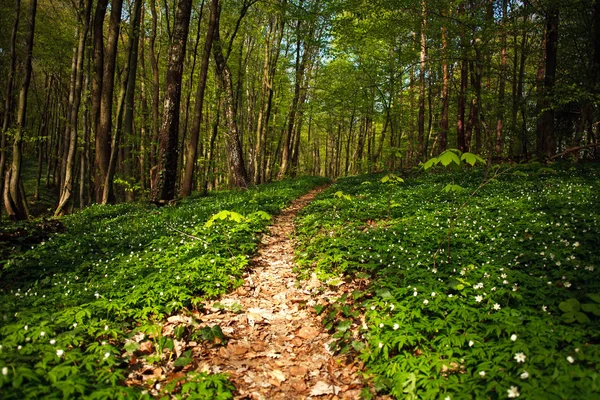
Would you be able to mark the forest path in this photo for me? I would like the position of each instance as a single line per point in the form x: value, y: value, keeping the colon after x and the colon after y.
x: 277, y: 348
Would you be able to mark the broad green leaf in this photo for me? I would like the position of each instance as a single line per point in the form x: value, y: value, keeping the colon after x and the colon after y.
x: 594, y: 296
x: 453, y: 188
x: 591, y: 308
x: 262, y: 215
x: 182, y: 361
x: 343, y: 326
x: 448, y: 157
x: 582, y: 318
x: 570, y: 306
x: 430, y: 163
x: 568, y: 317
x: 471, y: 158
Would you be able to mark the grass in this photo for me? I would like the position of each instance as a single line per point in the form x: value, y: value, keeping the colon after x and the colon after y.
x: 504, y: 304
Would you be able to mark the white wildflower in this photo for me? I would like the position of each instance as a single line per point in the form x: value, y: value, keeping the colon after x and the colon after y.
x: 513, y: 392
x: 520, y: 357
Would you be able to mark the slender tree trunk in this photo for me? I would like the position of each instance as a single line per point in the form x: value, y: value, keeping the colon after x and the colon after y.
x: 545, y: 142
x: 14, y: 199
x: 464, y: 82
x: 145, y: 125
x: 98, y: 65
x: 69, y: 177
x: 443, y: 137
x: 8, y: 101
x: 155, y: 84
x: 129, y: 98
x: 210, y: 149
x: 502, y: 82
x: 103, y: 137
x: 166, y: 177
x: 235, y: 156
x: 422, y: 65
x: 192, y: 150
x: 287, y: 140
x: 42, y: 132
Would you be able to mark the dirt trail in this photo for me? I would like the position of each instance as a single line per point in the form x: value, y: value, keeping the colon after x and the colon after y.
x: 276, y: 347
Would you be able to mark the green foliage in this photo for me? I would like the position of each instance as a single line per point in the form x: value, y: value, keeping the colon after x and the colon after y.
x: 575, y: 311
x: 72, y: 304
x: 453, y: 157
x: 490, y: 318
x: 223, y: 215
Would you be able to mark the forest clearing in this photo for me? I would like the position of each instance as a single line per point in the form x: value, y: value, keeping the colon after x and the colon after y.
x: 304, y: 199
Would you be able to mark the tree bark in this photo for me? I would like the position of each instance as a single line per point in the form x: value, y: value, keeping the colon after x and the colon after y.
x: 69, y: 177
x: 422, y: 64
x: 192, y: 150
x: 235, y: 157
x: 8, y: 101
x: 103, y: 137
x: 129, y: 99
x: 98, y: 63
x: 166, y: 177
x: 155, y: 84
x: 464, y: 83
x: 545, y: 140
x: 502, y: 82
x: 443, y: 137
x: 14, y: 200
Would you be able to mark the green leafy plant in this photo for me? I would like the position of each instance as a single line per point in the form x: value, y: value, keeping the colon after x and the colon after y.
x: 487, y: 321
x: 573, y: 310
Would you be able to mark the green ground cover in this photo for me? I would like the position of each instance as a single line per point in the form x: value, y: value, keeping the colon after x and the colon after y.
x: 503, y: 305
x: 70, y: 305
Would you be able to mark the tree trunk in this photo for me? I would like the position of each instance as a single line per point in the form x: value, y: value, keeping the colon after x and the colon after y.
x: 443, y: 137
x: 192, y: 150
x: 14, y: 200
x: 155, y: 84
x: 98, y: 64
x: 166, y: 177
x: 129, y: 99
x: 103, y: 139
x: 422, y: 64
x: 235, y: 157
x: 464, y: 82
x: 502, y: 82
x: 8, y: 102
x: 545, y: 142
x: 69, y: 177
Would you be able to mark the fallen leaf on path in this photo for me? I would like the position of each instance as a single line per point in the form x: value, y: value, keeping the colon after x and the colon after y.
x: 278, y: 374
x: 307, y: 332
x: 322, y: 388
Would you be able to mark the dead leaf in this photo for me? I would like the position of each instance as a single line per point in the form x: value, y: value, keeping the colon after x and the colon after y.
x: 322, y: 388
x: 307, y: 333
x: 298, y: 370
x: 298, y: 385
x: 278, y: 375
x: 237, y: 349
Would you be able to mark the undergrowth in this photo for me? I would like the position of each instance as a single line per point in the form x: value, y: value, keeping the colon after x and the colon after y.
x: 72, y: 305
x: 497, y: 299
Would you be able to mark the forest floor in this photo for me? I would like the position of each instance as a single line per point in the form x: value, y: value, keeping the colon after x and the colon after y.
x: 277, y: 347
